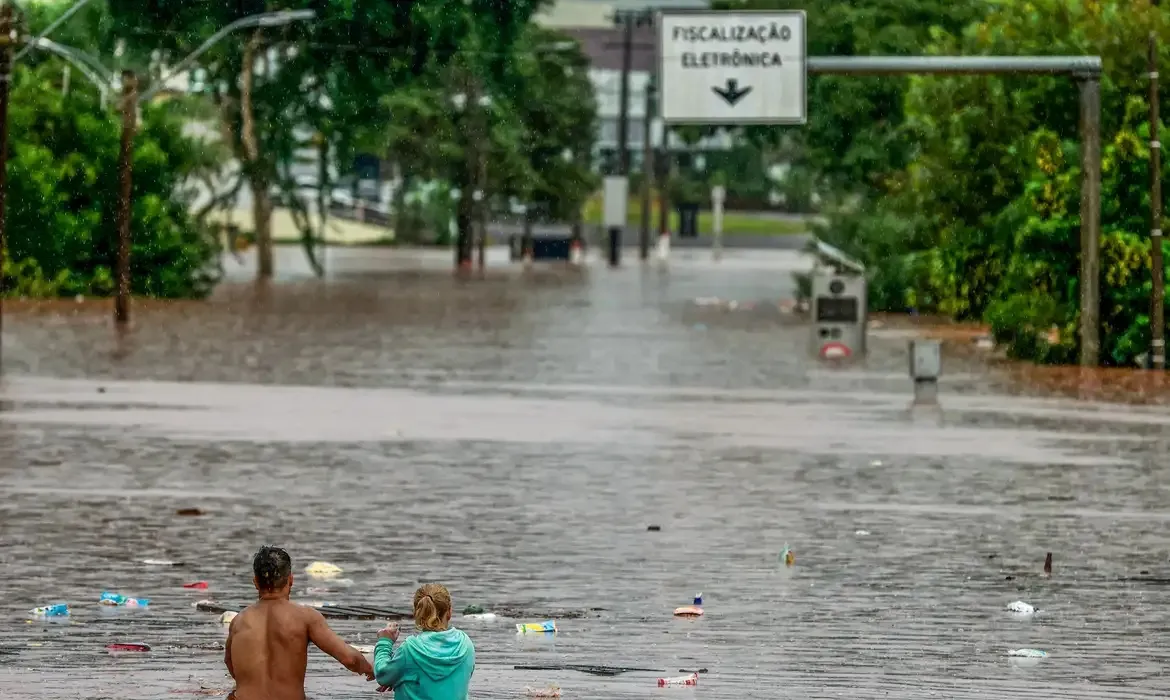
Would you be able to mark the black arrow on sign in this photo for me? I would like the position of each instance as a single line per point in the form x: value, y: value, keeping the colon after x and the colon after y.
x: 732, y: 92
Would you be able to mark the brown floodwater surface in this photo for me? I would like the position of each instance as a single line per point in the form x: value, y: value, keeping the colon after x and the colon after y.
x: 514, y: 437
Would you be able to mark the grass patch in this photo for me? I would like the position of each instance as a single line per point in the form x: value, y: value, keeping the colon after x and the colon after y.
x: 734, y: 223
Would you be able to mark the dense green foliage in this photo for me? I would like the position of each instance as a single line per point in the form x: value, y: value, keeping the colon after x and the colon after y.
x: 372, y: 76
x: 61, y: 197
x: 962, y: 193
x: 363, y: 76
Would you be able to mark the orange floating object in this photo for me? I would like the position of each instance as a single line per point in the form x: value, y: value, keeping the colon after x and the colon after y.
x: 693, y: 610
x: 197, y: 585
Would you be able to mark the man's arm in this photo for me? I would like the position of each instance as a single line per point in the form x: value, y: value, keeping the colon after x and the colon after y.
x: 227, y: 648
x: 327, y: 641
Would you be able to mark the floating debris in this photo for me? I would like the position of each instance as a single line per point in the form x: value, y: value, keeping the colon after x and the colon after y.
x: 57, y: 610
x: 653, y: 528
x: 553, y: 691
x: 862, y: 533
x: 128, y: 646
x: 787, y: 556
x: 546, y: 627
x: 161, y: 562
x: 323, y: 569
x: 1021, y: 608
x: 692, y: 679
x: 693, y: 610
x: 197, y: 585
x: 189, y: 512
x: 1048, y: 564
x: 122, y: 601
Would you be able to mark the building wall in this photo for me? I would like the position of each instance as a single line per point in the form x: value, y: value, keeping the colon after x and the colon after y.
x: 591, y: 22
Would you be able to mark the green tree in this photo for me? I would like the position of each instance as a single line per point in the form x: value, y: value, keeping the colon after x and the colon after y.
x: 853, y: 140
x: 984, y: 221
x: 61, y: 203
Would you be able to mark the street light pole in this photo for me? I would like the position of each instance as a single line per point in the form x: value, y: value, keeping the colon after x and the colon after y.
x: 125, y: 159
x: 1157, y: 269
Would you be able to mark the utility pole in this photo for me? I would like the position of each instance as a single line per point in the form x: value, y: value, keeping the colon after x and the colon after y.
x: 647, y: 171
x: 5, y: 81
x: 664, y: 186
x: 125, y: 159
x: 623, y: 135
x: 481, y: 203
x: 1157, y: 269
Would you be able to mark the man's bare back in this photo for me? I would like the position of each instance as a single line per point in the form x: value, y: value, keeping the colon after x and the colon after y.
x: 267, y: 648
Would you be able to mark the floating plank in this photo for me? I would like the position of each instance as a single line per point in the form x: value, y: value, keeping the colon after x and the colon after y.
x: 1157, y: 581
x: 336, y: 612
x: 370, y: 611
x: 592, y: 670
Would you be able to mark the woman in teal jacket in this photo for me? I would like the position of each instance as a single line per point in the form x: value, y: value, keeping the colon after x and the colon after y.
x: 436, y: 663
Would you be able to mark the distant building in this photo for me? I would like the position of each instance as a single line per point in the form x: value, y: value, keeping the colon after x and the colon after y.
x: 592, y: 23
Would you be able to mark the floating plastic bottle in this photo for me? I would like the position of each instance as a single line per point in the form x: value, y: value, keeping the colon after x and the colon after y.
x: 57, y: 610
x: 693, y: 610
x: 119, y: 600
x: 546, y: 627
x: 787, y: 556
x: 692, y: 679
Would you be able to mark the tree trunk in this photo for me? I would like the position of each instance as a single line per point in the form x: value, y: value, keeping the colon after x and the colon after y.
x: 257, y: 178
x: 464, y: 223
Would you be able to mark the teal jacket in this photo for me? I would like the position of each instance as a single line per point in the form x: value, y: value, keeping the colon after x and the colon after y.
x: 427, y: 666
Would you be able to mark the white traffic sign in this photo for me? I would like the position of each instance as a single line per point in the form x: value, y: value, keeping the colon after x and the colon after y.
x: 732, y: 67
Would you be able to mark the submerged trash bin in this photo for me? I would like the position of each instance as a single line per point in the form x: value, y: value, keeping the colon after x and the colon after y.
x: 545, y: 247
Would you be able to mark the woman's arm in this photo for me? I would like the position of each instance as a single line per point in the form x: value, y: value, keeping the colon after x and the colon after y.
x: 389, y: 663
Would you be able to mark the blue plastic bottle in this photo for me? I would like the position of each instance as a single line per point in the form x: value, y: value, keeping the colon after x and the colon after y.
x: 57, y: 610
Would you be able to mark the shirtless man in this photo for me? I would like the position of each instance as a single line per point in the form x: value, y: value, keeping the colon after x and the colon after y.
x: 267, y: 647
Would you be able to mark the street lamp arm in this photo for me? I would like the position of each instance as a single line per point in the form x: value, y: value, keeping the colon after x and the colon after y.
x: 49, y: 30
x: 89, y: 66
x: 266, y: 19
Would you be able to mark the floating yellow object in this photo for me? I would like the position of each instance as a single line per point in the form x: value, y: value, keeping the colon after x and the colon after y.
x: 787, y: 556
x: 323, y: 569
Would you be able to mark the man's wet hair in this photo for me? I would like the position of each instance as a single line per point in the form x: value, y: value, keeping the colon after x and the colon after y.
x: 272, y: 567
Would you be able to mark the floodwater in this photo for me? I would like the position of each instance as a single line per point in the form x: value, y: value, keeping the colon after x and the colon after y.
x: 513, y: 437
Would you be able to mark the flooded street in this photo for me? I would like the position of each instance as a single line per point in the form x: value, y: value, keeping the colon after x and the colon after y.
x: 514, y: 437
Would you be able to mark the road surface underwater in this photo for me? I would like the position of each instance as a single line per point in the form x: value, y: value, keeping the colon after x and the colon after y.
x: 516, y: 437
